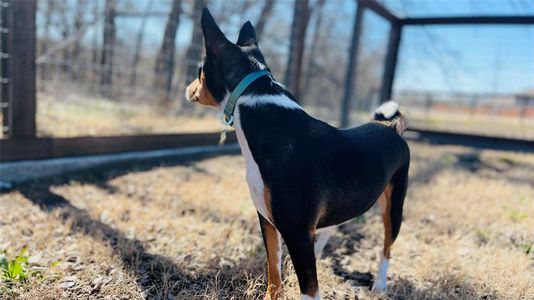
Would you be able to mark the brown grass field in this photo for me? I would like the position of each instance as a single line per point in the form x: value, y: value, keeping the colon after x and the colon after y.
x: 62, y: 111
x: 187, y: 230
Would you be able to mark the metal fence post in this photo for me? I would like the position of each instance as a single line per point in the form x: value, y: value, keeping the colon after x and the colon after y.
x: 391, y: 62
x: 4, y: 65
x: 21, y: 60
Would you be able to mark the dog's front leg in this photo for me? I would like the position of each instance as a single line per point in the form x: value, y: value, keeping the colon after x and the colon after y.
x: 273, y: 247
x: 300, y: 243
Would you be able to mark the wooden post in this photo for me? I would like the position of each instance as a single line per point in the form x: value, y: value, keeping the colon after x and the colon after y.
x: 22, y: 86
x: 4, y: 65
x: 350, y: 77
x: 391, y: 62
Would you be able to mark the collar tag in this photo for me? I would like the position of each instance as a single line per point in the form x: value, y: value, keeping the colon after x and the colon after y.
x: 226, y: 124
x: 222, y: 138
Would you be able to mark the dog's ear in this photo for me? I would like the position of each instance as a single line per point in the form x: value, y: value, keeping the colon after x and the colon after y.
x: 247, y: 35
x: 214, y: 38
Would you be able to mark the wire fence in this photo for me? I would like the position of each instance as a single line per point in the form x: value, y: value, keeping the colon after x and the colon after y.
x: 465, y: 79
x: 120, y: 67
x: 113, y: 67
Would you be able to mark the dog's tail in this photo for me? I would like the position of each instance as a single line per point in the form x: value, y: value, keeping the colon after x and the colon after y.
x: 389, y: 115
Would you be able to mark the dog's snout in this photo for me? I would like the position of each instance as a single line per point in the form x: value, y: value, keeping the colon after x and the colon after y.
x: 191, y: 91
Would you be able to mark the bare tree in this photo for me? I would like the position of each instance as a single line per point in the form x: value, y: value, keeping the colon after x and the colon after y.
x: 65, y: 33
x: 94, y: 50
x: 301, y: 16
x: 194, y: 50
x: 310, y: 70
x: 79, y: 22
x: 50, y: 6
x: 139, y: 42
x: 110, y: 32
x: 266, y: 12
x: 165, y: 59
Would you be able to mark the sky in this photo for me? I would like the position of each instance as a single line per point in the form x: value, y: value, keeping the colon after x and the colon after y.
x: 480, y: 59
x: 472, y: 59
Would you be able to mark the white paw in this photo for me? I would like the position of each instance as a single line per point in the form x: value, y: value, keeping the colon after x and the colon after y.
x: 379, y: 286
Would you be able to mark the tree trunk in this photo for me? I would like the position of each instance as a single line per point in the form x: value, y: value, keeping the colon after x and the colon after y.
x: 165, y: 59
x: 193, y: 54
x: 311, y: 69
x: 76, y: 69
x: 65, y: 32
x: 94, y: 50
x: 139, y: 43
x: 266, y: 12
x: 45, y: 70
x: 110, y: 32
x: 301, y: 16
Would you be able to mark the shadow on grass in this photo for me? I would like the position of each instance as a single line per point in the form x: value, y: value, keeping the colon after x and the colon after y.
x: 157, y: 276
x: 440, y: 286
x: 495, y: 168
x: 474, y: 162
x: 101, y: 175
x: 346, y: 245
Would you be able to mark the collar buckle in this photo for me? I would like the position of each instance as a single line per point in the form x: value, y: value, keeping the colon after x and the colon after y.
x: 225, y: 119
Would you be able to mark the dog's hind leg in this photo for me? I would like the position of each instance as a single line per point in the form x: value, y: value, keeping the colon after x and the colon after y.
x: 273, y: 246
x: 391, y: 202
x: 384, y: 202
x: 321, y: 239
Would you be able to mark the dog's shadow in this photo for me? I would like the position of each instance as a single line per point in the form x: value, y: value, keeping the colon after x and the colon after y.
x: 346, y: 242
x: 153, y: 272
x: 157, y: 276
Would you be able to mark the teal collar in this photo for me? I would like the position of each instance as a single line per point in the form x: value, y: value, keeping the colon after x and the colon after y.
x: 227, y: 115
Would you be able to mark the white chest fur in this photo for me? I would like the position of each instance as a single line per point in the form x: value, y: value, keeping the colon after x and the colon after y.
x: 254, y: 179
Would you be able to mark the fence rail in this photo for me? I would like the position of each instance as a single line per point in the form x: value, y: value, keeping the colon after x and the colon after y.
x: 41, y: 148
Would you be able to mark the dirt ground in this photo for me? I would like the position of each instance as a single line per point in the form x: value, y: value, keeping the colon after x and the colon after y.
x: 187, y: 230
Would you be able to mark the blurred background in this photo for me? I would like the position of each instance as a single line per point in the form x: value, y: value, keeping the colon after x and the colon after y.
x: 112, y: 186
x: 115, y: 67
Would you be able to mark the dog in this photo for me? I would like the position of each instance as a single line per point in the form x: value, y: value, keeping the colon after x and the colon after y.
x: 304, y: 176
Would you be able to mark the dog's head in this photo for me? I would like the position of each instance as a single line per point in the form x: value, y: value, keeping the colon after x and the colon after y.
x: 225, y: 64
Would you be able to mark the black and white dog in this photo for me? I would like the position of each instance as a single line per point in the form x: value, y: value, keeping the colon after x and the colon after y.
x: 304, y: 175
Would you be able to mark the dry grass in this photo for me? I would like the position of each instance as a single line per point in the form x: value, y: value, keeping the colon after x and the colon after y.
x: 483, y: 124
x: 187, y: 230
x: 68, y: 113
x: 62, y: 111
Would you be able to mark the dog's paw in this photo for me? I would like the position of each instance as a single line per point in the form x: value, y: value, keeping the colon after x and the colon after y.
x: 379, y: 286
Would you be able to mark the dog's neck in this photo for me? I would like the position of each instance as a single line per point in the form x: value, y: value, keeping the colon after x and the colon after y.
x: 266, y: 91
x: 271, y: 91
x: 259, y: 102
